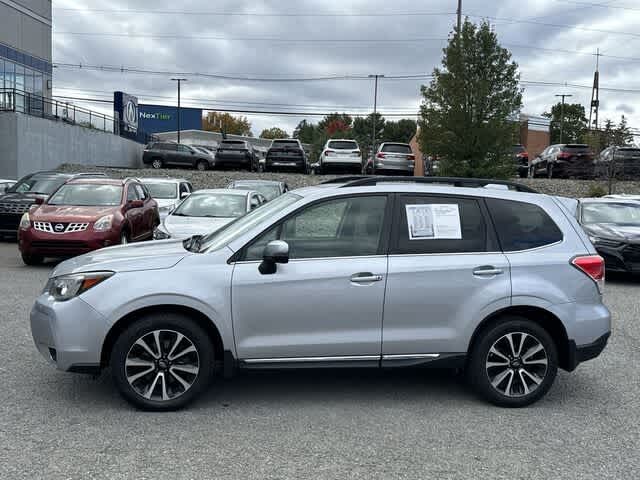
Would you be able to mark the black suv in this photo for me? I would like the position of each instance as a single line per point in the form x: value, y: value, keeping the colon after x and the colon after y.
x: 564, y: 161
x: 237, y: 154
x: 30, y: 190
x: 164, y: 154
x: 286, y: 154
x: 622, y: 163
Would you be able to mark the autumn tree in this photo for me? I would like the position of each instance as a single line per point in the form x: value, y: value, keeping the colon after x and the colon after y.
x: 274, y: 132
x: 227, y: 123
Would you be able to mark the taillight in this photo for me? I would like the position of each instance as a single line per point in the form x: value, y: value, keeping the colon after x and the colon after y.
x: 411, y: 157
x: 592, y: 266
x: 357, y: 152
x: 328, y: 153
x: 563, y: 155
x: 380, y: 155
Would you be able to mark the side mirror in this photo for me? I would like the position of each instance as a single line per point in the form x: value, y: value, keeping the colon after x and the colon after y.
x: 39, y: 200
x: 184, y: 195
x: 136, y: 204
x: 275, y: 252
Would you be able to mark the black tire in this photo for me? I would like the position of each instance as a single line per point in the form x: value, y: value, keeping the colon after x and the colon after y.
x: 169, y: 324
x: 478, y: 370
x: 522, y: 174
x: 202, y: 165
x: 157, y: 163
x: 32, y: 260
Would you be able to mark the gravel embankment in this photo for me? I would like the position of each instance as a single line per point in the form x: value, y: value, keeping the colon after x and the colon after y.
x: 220, y: 179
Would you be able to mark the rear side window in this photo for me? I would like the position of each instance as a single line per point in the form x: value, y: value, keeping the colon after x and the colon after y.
x: 428, y: 224
x: 521, y: 226
x: 396, y: 148
x: 576, y: 148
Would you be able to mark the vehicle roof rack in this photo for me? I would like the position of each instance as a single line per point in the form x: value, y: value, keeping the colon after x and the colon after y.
x: 89, y: 174
x: 452, y: 181
x: 345, y: 179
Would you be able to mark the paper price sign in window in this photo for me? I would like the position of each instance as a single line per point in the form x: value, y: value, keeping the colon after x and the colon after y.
x: 434, y: 221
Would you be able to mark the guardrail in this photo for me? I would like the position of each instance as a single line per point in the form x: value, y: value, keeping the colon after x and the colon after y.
x: 13, y: 100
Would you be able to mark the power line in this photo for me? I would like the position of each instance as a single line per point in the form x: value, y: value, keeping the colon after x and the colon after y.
x: 601, y: 5
x: 257, y: 112
x: 253, y: 14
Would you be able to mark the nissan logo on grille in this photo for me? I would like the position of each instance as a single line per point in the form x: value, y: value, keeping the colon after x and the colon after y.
x: 59, y: 227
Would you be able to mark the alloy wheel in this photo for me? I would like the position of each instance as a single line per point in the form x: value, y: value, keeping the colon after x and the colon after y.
x: 156, y: 163
x: 516, y: 364
x: 161, y: 365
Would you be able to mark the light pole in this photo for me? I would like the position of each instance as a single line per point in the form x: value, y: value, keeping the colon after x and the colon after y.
x: 179, y: 80
x: 562, y: 115
x: 459, y: 14
x: 373, y: 118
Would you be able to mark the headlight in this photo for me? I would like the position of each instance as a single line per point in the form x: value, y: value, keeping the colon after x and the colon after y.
x: 25, y: 221
x: 103, y: 223
x: 160, y: 234
x: 603, y: 242
x: 65, y: 287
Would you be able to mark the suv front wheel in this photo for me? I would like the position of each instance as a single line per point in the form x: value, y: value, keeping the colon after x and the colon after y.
x: 162, y: 362
x: 514, y: 363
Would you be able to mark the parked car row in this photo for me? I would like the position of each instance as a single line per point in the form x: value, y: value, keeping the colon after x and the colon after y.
x: 54, y: 214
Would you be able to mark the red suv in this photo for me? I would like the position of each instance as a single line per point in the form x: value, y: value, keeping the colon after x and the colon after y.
x: 86, y: 214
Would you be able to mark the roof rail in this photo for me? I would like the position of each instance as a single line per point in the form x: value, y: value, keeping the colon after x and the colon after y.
x: 454, y: 181
x: 89, y: 174
x: 345, y: 179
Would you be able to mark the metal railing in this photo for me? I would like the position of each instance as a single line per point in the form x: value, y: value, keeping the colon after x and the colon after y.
x: 13, y: 100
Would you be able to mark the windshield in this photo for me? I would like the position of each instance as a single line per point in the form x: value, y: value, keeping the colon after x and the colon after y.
x: 227, y: 234
x: 38, y: 185
x: 212, y: 205
x: 343, y: 145
x: 267, y: 191
x: 284, y: 143
x: 87, y: 195
x: 162, y: 190
x: 618, y: 213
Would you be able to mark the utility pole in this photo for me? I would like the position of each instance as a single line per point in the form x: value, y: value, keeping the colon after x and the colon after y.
x: 459, y: 13
x: 562, y: 115
x: 373, y: 118
x: 595, y: 94
x: 179, y: 80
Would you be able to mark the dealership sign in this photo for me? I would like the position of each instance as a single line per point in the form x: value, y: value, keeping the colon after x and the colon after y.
x: 125, y: 107
x: 155, y: 116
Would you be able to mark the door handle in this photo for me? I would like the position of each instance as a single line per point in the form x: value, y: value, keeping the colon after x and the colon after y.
x: 487, y: 271
x: 365, y: 277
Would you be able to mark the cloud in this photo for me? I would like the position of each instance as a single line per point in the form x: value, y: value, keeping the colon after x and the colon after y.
x: 235, y: 51
x: 625, y: 108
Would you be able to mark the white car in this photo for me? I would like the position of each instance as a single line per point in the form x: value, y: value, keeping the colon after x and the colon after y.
x: 167, y: 192
x: 342, y: 154
x: 205, y: 211
x: 6, y: 185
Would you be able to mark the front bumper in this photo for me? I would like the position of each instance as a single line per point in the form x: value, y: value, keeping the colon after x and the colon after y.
x: 68, y: 334
x: 35, y: 242
x: 622, y: 259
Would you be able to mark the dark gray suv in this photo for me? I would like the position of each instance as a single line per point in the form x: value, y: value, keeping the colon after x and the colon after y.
x: 164, y: 154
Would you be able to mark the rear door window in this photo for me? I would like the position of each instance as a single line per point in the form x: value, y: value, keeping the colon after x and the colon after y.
x: 342, y: 145
x: 521, y: 225
x: 430, y: 225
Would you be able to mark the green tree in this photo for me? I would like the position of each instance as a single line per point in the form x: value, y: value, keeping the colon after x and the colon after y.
x: 227, y: 123
x: 362, y: 131
x: 575, y: 123
x: 305, y: 132
x: 622, y: 135
x: 273, y: 132
x: 468, y: 108
x: 401, y: 131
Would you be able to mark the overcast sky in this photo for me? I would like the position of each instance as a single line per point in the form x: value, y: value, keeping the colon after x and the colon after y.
x: 319, y: 38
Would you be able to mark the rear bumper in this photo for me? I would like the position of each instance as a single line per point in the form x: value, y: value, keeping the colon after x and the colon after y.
x: 284, y: 162
x: 589, y: 351
x: 232, y: 160
x: 33, y: 242
x: 342, y: 161
x: 577, y: 168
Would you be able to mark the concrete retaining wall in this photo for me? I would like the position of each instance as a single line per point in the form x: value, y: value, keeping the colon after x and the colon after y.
x: 29, y: 144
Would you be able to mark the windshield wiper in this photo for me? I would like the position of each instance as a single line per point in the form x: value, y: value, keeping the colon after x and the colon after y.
x: 179, y: 214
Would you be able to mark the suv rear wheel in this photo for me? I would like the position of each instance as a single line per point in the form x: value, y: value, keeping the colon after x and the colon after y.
x: 514, y: 363
x: 156, y: 163
x: 162, y: 362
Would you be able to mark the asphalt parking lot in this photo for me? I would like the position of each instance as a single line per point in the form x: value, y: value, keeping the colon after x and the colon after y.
x: 323, y: 425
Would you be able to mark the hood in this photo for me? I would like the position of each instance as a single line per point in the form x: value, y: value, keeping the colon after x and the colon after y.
x: 182, y: 227
x: 614, y: 231
x: 65, y: 213
x: 166, y: 202
x: 152, y: 255
x: 22, y: 198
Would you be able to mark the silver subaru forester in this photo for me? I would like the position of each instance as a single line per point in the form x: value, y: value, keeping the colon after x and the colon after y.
x: 361, y: 272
